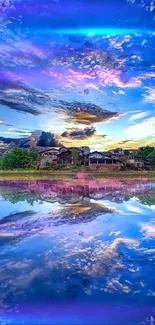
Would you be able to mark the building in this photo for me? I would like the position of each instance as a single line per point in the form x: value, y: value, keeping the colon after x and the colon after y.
x: 99, y: 160
x: 71, y: 156
x: 135, y: 162
x: 65, y: 157
x: 49, y: 157
x: 85, y: 150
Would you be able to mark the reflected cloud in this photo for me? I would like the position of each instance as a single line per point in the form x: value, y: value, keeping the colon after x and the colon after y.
x: 148, y: 230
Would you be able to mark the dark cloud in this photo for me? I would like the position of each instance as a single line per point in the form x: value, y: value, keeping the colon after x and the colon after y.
x: 48, y: 139
x: 77, y: 133
x: 125, y: 141
x: 15, y: 216
x: 19, y: 107
x: 65, y: 134
x: 86, y: 91
x: 16, y: 95
x: 85, y: 112
x: 38, y: 138
x: 23, y: 132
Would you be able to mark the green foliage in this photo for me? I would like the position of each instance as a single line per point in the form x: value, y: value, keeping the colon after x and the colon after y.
x: 151, y: 158
x: 148, y: 197
x: 145, y: 152
x: 14, y: 196
x: 19, y: 158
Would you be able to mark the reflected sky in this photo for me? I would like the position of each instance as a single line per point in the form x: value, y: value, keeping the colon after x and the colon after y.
x: 73, y: 257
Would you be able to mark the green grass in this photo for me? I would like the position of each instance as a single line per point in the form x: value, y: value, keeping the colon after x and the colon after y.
x: 70, y: 173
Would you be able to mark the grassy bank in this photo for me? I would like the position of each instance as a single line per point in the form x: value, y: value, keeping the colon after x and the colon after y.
x: 68, y: 174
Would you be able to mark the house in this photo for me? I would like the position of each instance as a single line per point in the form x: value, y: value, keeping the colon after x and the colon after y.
x: 49, y: 157
x: 71, y: 156
x: 60, y: 156
x: 63, y: 149
x: 117, y: 151
x: 99, y: 160
x: 65, y: 157
x: 135, y: 162
x: 85, y: 150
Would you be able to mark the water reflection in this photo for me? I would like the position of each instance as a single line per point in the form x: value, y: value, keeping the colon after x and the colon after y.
x: 79, y: 249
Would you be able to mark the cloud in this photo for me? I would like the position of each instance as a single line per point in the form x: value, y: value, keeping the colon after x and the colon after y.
x: 48, y: 139
x: 143, y: 129
x: 147, y: 5
x: 148, y: 230
x: 135, y: 209
x: 94, y: 78
x: 78, y: 133
x: 125, y: 141
x: 137, y: 116
x: 149, y: 97
x: 43, y: 139
x: 17, y: 95
x: 84, y: 112
x: 24, y: 132
x: 5, y: 124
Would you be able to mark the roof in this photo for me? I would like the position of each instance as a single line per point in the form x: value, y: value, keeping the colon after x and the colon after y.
x: 106, y: 155
x: 94, y: 152
x: 46, y: 149
x: 64, y: 152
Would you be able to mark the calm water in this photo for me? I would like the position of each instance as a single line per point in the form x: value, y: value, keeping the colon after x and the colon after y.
x: 77, y: 253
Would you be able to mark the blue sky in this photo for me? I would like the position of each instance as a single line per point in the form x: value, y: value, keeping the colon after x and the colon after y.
x: 84, y: 67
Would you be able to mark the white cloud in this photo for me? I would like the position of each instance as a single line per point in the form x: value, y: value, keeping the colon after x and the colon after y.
x: 134, y: 209
x: 137, y: 116
x: 141, y: 130
x: 149, y: 97
x: 148, y: 230
x: 119, y: 92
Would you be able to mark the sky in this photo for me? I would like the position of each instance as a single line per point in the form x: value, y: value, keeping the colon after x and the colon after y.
x: 82, y: 70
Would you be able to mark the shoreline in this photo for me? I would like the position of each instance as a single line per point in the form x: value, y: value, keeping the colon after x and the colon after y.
x: 75, y: 175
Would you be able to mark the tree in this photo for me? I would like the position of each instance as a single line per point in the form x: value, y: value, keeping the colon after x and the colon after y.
x: 126, y: 157
x: 19, y: 158
x: 145, y: 152
x: 151, y: 158
x: 75, y: 154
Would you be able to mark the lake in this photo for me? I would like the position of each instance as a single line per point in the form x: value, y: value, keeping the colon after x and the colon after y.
x: 77, y: 252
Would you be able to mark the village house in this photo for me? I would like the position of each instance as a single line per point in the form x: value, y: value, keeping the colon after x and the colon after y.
x: 61, y: 156
x: 135, y: 162
x: 65, y: 158
x: 70, y: 156
x: 85, y: 150
x: 49, y: 157
x: 99, y: 160
x: 109, y: 160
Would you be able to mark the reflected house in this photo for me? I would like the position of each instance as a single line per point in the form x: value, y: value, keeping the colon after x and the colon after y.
x: 101, y: 160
